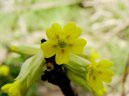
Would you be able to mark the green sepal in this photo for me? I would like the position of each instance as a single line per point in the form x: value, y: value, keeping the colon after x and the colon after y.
x: 25, y: 49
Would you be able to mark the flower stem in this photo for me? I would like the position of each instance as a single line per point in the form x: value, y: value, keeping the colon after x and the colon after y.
x: 55, y: 74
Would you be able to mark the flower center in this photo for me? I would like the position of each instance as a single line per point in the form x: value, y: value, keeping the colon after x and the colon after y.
x: 61, y: 44
x: 92, y: 70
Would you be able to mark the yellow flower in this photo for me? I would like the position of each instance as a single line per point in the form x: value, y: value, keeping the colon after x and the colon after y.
x: 13, y: 89
x: 30, y: 72
x: 62, y: 42
x: 4, y: 70
x: 97, y: 73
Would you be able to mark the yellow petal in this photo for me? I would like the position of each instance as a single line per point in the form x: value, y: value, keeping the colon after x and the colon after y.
x: 105, y: 64
x: 14, y: 92
x: 106, y: 75
x: 71, y: 31
x: 96, y: 83
x: 54, y: 32
x: 62, y: 56
x: 49, y: 48
x: 77, y: 46
x: 100, y: 92
x: 6, y: 87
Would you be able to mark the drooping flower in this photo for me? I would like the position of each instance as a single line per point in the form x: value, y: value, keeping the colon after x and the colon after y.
x: 4, y: 70
x: 30, y: 72
x: 13, y: 89
x: 62, y: 42
x: 97, y: 73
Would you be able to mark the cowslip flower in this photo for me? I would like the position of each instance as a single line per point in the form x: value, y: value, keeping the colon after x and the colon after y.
x: 4, y: 70
x: 13, y: 89
x: 62, y: 42
x: 30, y: 72
x: 97, y: 73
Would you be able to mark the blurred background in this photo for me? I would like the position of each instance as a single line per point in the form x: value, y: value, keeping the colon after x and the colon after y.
x: 105, y: 25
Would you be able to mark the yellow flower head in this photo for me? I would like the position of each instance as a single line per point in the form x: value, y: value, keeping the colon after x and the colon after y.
x: 13, y: 89
x: 30, y: 72
x: 4, y: 70
x: 63, y: 41
x: 97, y: 73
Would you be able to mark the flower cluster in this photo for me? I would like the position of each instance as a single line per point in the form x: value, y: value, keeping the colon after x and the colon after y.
x: 63, y: 41
x: 98, y: 73
x: 66, y: 47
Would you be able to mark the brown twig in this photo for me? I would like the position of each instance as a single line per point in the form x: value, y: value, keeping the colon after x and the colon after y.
x: 126, y: 72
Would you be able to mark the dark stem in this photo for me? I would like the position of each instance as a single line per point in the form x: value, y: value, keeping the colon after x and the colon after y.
x: 55, y: 74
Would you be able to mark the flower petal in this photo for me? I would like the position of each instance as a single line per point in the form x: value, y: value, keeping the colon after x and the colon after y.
x: 6, y: 87
x: 54, y: 31
x: 14, y: 92
x: 100, y: 92
x: 49, y: 48
x: 106, y: 75
x: 62, y: 56
x: 77, y: 45
x: 105, y: 63
x: 96, y: 84
x: 71, y: 31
